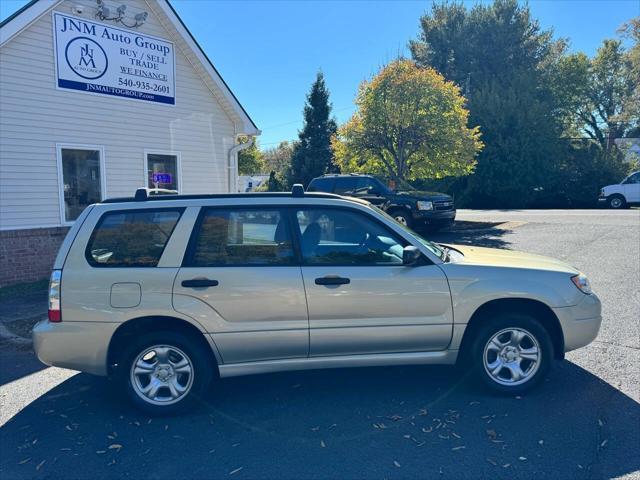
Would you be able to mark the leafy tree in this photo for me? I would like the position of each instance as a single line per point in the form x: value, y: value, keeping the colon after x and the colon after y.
x: 410, y: 123
x: 312, y: 155
x: 501, y: 59
x: 605, y: 91
x: 250, y: 160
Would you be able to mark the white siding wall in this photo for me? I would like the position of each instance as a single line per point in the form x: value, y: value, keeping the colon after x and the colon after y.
x: 35, y: 116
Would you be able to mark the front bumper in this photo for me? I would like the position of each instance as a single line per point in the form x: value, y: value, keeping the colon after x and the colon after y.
x: 76, y: 345
x: 434, y: 216
x: 580, y: 323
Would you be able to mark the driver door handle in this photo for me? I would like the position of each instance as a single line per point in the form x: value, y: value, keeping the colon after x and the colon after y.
x: 332, y: 281
x: 199, y: 283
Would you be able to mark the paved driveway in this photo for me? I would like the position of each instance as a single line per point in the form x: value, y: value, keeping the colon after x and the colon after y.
x: 409, y: 422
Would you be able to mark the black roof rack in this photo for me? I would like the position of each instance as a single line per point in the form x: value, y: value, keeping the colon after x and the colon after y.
x: 147, y: 194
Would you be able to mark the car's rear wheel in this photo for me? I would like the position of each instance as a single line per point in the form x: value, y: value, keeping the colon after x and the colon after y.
x: 512, y: 353
x: 616, y: 202
x: 164, y: 372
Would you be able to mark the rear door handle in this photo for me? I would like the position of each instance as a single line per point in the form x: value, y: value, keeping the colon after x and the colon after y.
x: 332, y: 281
x: 199, y: 283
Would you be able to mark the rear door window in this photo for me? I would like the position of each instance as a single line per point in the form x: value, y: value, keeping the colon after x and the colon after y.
x: 241, y: 237
x: 131, y: 238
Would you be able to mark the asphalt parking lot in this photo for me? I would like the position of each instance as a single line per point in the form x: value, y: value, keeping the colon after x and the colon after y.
x: 401, y: 422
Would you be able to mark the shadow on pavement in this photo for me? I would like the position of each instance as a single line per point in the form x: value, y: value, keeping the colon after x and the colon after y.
x: 488, y: 237
x: 355, y: 423
x: 17, y: 361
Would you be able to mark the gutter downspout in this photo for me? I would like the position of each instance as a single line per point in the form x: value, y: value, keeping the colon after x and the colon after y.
x: 232, y: 166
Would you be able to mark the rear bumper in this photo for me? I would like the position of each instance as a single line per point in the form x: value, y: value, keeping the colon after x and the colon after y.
x: 76, y: 345
x: 580, y: 323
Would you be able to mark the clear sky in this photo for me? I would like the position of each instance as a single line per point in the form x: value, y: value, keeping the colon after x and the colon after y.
x: 269, y: 51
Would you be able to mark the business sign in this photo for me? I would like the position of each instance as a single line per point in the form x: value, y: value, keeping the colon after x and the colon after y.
x: 161, y: 178
x: 97, y: 58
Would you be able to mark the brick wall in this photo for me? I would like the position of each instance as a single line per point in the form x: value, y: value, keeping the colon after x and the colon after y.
x: 28, y: 255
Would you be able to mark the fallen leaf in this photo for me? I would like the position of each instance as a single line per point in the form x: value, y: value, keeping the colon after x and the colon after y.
x: 600, y: 422
x: 395, y: 418
x: 315, y: 429
x: 540, y: 442
x: 101, y: 451
x: 39, y: 466
x: 474, y: 403
x: 458, y: 448
x: 333, y: 425
x: 233, y: 472
x: 423, y: 412
x: 604, y: 442
x: 212, y: 450
x: 522, y: 459
x: 136, y: 423
x: 506, y: 465
x: 22, y: 462
x: 396, y: 463
x: 492, y: 461
x: 146, y: 451
x: 455, y: 435
x: 492, y: 434
x: 65, y: 449
x: 68, y: 427
x: 115, y: 446
x: 322, y: 444
x: 112, y: 462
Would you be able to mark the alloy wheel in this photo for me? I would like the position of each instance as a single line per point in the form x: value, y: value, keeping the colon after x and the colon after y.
x: 162, y: 375
x: 512, y: 356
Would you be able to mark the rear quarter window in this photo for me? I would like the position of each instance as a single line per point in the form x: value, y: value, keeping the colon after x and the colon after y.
x: 321, y: 185
x: 131, y: 238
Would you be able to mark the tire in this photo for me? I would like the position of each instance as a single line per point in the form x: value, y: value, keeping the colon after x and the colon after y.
x: 495, y: 341
x: 403, y: 217
x: 183, y: 377
x: 616, y: 202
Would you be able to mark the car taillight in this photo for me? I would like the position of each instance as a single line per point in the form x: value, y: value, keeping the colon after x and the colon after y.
x: 55, y: 315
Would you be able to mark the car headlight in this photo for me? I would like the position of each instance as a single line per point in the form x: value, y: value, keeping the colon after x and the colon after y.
x: 424, y: 205
x: 582, y: 282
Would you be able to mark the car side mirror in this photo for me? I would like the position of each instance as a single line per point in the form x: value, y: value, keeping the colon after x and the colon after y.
x: 410, y: 255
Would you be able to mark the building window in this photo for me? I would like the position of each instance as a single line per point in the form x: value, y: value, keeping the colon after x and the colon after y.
x: 162, y: 171
x: 82, y: 179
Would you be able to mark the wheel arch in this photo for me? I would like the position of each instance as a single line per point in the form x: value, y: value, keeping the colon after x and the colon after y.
x: 139, y: 325
x: 535, y: 308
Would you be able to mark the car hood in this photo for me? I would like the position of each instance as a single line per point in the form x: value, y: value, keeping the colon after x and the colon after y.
x: 420, y: 195
x: 493, y: 257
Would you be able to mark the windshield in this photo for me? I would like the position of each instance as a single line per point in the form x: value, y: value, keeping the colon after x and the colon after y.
x: 433, y: 247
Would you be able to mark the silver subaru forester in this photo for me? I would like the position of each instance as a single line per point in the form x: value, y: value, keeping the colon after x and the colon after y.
x: 166, y: 293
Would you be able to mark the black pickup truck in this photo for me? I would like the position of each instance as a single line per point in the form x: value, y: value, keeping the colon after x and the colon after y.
x: 412, y: 208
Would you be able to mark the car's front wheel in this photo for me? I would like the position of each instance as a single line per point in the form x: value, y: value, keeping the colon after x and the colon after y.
x: 512, y: 353
x: 403, y: 217
x: 165, y: 371
x: 616, y: 202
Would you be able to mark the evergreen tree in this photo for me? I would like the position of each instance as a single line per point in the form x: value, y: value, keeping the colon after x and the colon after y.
x: 312, y: 154
x: 500, y: 57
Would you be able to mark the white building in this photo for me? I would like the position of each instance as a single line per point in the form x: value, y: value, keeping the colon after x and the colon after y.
x: 96, y: 101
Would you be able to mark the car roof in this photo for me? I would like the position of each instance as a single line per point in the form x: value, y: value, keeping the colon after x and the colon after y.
x: 342, y: 175
x: 142, y: 197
